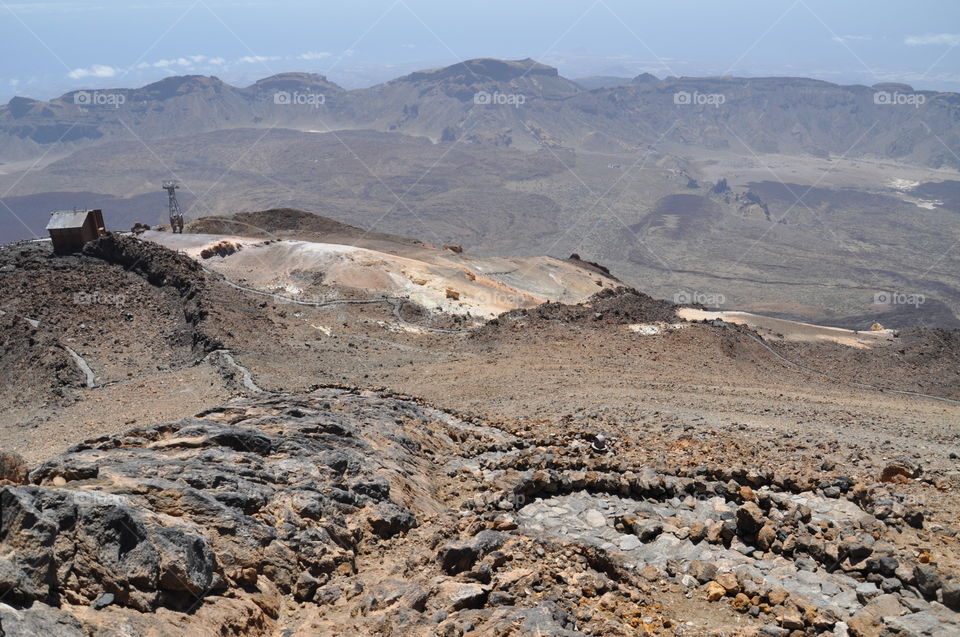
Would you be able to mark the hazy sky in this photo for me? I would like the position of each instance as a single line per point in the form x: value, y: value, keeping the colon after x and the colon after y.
x: 48, y: 46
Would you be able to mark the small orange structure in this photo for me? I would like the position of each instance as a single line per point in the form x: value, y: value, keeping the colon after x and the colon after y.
x: 71, y: 229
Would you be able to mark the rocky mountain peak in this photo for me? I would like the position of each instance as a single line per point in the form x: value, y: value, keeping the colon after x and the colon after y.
x: 646, y: 78
x: 20, y: 106
x: 179, y: 85
x: 295, y: 81
x: 484, y: 70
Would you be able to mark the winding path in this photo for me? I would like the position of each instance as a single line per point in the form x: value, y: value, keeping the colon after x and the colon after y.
x: 835, y: 379
x: 248, y: 381
x: 84, y: 367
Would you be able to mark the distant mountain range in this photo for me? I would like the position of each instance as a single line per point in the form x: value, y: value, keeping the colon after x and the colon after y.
x: 522, y: 104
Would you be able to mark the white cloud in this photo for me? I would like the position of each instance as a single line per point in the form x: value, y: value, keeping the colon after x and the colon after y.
x: 313, y: 55
x: 186, y: 62
x: 97, y: 70
x: 937, y: 39
x: 842, y: 39
x: 255, y: 59
x: 53, y: 7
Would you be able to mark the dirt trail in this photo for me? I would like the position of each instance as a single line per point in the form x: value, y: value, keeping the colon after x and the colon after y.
x: 793, y: 331
x: 84, y: 367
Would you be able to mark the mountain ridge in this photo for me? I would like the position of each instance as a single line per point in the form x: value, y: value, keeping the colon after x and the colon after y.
x: 520, y: 103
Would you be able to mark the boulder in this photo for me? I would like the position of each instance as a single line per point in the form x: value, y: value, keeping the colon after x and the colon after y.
x: 778, y: 596
x: 869, y: 621
x: 457, y: 596
x: 13, y: 468
x: 927, y: 580
x: 791, y: 618
x: 40, y: 619
x: 951, y: 595
x: 714, y: 591
x: 900, y: 471
x: 729, y: 582
x: 750, y: 519
x: 458, y: 556
x: 766, y: 536
x: 703, y: 572
x: 646, y: 530
x: 387, y: 520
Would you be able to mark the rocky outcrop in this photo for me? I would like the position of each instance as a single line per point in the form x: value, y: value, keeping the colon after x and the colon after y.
x: 282, y: 489
x: 610, y: 306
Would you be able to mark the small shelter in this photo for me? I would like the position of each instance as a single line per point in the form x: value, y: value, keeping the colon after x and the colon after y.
x: 71, y: 229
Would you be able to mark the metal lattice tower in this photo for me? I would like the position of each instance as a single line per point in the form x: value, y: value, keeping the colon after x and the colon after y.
x: 176, y: 215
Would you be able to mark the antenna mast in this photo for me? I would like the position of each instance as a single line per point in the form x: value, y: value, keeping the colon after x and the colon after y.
x: 176, y: 215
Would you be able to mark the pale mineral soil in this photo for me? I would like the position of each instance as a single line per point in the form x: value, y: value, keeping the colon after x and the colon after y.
x: 835, y: 172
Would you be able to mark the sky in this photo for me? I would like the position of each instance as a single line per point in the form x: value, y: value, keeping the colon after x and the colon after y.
x: 49, y: 47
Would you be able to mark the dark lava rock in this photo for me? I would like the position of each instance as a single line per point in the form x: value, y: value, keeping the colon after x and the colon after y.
x: 914, y: 517
x: 39, y: 620
x: 844, y: 483
x: 159, y: 265
x: 703, y: 572
x: 885, y: 566
x: 928, y: 580
x: 610, y: 306
x: 250, y: 486
x: 501, y: 598
x: 646, y: 530
x: 388, y: 520
x: 103, y: 601
x: 951, y: 595
x: 861, y: 548
x: 469, y: 596
x: 458, y: 556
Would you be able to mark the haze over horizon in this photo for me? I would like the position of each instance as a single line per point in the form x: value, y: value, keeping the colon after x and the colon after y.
x: 128, y: 45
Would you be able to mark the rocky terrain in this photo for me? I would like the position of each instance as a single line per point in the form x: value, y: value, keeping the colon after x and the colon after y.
x: 342, y: 511
x: 186, y: 453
